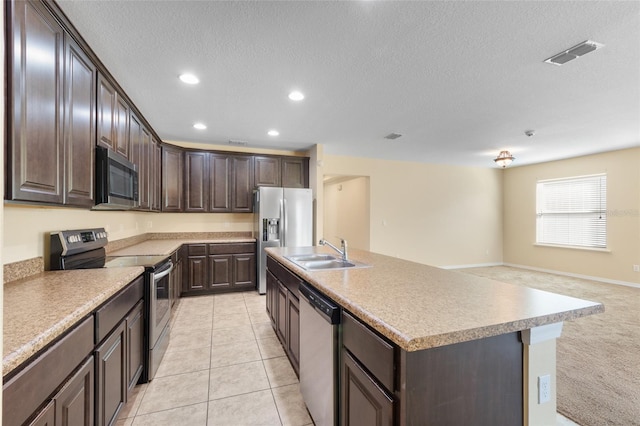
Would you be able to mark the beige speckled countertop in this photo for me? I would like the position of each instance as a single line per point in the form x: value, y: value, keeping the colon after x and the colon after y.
x: 166, y: 247
x: 420, y: 307
x: 41, y: 307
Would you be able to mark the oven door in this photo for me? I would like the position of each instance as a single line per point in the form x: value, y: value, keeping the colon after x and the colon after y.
x: 160, y: 301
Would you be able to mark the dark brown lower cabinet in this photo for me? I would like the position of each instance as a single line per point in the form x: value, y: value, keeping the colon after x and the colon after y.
x: 111, y: 376
x: 363, y: 402
x: 281, y: 318
x: 47, y: 416
x: 75, y: 401
x: 220, y: 268
x: 293, y: 328
x: 135, y: 346
x: 283, y: 307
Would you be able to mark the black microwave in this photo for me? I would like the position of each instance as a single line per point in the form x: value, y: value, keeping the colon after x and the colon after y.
x: 116, y: 181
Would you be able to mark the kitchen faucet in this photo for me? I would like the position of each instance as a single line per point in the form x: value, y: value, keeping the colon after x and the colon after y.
x: 342, y: 252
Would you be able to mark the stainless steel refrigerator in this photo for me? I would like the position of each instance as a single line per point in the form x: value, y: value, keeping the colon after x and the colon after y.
x: 283, y: 217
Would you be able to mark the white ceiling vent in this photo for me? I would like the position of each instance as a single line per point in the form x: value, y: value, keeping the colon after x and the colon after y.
x: 573, y: 53
x: 392, y: 136
x: 237, y: 142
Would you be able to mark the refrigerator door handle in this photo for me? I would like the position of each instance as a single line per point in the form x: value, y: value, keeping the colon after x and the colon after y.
x: 283, y: 225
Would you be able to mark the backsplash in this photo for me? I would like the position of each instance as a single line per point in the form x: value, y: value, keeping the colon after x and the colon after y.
x: 22, y: 269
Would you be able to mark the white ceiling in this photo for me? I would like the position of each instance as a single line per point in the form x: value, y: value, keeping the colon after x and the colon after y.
x: 460, y: 80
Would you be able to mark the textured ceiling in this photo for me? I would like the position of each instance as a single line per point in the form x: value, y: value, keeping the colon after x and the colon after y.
x: 460, y: 80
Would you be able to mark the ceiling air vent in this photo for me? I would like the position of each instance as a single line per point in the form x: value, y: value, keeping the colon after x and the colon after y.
x: 237, y: 142
x: 573, y: 53
x: 392, y: 136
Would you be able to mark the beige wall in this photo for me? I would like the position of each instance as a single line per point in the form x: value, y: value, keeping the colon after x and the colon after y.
x: 26, y: 229
x: 433, y: 214
x: 623, y: 222
x: 346, y: 213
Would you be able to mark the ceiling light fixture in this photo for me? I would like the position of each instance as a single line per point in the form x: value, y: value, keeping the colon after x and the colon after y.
x: 504, y: 159
x: 189, y: 78
x: 199, y: 126
x: 273, y: 132
x: 296, y: 96
x: 574, y: 52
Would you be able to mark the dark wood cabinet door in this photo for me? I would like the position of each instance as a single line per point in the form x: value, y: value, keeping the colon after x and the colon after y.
x: 196, y: 186
x: 122, y: 126
x: 75, y: 401
x: 281, y: 309
x: 220, y: 271
x: 197, y: 266
x: 363, y: 401
x: 135, y: 346
x: 106, y: 113
x: 295, y: 172
x: 140, y: 146
x: 111, y: 376
x: 155, y: 176
x: 244, y: 270
x: 242, y: 184
x: 35, y: 148
x: 267, y: 171
x: 293, y: 331
x: 79, y: 126
x: 271, y: 296
x: 47, y: 416
x: 172, y: 175
x: 219, y: 183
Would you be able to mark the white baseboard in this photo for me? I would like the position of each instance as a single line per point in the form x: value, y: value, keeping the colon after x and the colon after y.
x: 569, y: 274
x: 477, y: 265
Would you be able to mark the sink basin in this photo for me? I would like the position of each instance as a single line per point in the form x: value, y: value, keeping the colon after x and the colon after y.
x: 311, y: 258
x: 321, y: 262
x: 328, y: 264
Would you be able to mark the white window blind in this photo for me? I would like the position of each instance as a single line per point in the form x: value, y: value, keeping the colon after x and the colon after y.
x: 572, y: 211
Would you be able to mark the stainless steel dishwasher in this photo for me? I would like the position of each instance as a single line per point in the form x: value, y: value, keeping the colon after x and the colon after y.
x: 319, y: 349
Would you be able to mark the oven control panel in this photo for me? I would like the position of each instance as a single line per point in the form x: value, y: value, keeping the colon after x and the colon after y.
x: 74, y: 242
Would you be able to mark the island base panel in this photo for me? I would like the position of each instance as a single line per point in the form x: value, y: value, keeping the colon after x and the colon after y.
x: 476, y: 382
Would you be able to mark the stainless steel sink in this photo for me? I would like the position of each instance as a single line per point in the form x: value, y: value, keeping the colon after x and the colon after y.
x: 321, y: 262
x: 311, y: 257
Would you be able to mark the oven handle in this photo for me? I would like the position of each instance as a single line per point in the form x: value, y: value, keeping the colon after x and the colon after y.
x: 163, y: 273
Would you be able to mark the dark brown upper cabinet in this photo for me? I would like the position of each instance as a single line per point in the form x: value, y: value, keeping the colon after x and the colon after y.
x: 295, y: 172
x: 79, y: 126
x: 113, y: 117
x: 220, y: 182
x: 242, y: 184
x: 172, y: 178
x: 267, y: 171
x: 287, y: 172
x: 155, y: 175
x: 140, y: 152
x: 50, y: 135
x: 196, y: 181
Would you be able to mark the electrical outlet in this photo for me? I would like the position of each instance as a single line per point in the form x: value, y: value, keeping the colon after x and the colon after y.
x: 544, y: 389
x: 636, y: 268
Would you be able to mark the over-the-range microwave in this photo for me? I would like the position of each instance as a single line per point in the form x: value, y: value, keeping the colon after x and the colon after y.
x: 116, y: 181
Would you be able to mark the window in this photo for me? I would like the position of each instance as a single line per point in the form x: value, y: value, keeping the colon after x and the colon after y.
x: 572, y: 211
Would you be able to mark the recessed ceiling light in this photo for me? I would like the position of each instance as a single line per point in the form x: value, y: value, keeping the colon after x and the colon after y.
x: 199, y: 126
x: 189, y: 78
x: 273, y: 132
x: 296, y: 96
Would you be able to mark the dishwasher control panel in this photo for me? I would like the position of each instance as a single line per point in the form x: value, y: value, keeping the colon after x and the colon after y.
x: 321, y: 303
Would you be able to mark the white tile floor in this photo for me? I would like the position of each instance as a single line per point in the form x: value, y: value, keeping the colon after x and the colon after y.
x: 224, y: 366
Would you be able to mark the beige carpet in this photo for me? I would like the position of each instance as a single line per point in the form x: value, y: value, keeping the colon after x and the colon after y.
x: 598, y: 357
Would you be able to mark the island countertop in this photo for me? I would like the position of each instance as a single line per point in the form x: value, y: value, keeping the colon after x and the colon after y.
x: 419, y: 307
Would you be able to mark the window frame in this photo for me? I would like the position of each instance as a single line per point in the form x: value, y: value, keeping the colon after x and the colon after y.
x: 575, y: 218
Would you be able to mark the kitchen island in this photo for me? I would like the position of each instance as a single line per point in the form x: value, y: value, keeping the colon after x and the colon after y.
x: 465, y: 350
